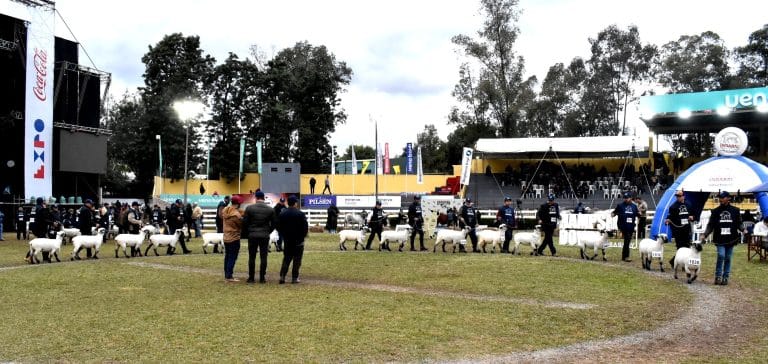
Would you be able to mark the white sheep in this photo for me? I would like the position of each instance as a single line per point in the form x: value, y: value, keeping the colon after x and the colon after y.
x: 494, y: 237
x: 274, y: 237
x: 151, y: 229
x: 594, y: 240
x: 87, y: 241
x: 214, y: 240
x: 532, y: 238
x: 52, y: 246
x: 135, y: 241
x: 690, y: 260
x: 448, y: 236
x: 389, y: 236
x: 164, y: 240
x: 69, y: 233
x: 355, y: 219
x: 653, y: 249
x: 357, y: 235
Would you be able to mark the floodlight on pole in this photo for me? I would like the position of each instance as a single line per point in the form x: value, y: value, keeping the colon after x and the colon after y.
x: 684, y: 113
x: 187, y: 110
x: 160, y: 160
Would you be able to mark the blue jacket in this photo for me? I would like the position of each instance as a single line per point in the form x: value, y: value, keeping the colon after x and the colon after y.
x: 627, y: 213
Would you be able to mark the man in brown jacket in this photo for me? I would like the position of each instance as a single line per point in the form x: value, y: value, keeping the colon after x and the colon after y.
x: 233, y: 223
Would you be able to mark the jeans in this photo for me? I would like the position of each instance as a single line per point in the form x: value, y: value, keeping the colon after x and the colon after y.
x: 231, y: 250
x: 291, y: 253
x: 198, y: 225
x: 723, y: 267
x: 1, y: 230
x: 507, y: 238
x: 260, y: 245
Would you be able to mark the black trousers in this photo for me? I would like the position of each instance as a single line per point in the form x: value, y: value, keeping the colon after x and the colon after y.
x: 507, y: 238
x: 419, y: 231
x: 473, y: 238
x: 625, y: 248
x: 548, y: 242
x: 375, y: 229
x: 172, y: 229
x: 291, y: 253
x: 21, y: 230
x: 682, y: 238
x: 641, y: 227
x: 260, y: 245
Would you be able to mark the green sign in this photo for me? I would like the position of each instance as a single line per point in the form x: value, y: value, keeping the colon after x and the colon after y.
x: 715, y: 101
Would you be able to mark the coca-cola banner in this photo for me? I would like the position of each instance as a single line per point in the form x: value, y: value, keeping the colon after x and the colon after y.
x: 38, y: 117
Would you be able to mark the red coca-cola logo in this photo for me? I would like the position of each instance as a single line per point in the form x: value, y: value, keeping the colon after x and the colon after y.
x: 41, y: 70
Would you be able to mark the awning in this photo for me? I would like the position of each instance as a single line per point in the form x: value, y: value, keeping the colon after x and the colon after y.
x: 576, y: 147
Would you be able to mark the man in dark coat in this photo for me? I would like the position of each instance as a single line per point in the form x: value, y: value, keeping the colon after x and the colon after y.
x: 506, y: 216
x: 376, y: 224
x: 724, y: 224
x: 679, y: 218
x: 627, y: 217
x: 547, y: 216
x: 468, y: 217
x: 279, y: 206
x: 293, y: 227
x: 258, y: 222
x: 85, y: 223
x: 416, y: 220
x: 312, y: 183
x: 333, y: 218
x: 176, y: 221
x: 22, y: 217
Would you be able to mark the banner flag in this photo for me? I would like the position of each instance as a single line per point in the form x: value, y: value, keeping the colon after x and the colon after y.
x: 419, y: 168
x: 242, y: 153
x: 258, y: 155
x: 354, y: 161
x: 386, y: 158
x: 378, y: 159
x: 409, y: 158
x: 466, y: 165
x: 38, y: 125
x: 333, y: 161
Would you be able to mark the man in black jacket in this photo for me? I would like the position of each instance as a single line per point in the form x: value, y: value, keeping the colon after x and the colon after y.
x: 279, y: 206
x: 724, y: 225
x: 258, y: 222
x: 416, y: 220
x: 679, y: 218
x: 293, y: 227
x: 376, y: 224
x: 85, y: 223
x: 468, y: 217
x: 176, y: 221
x: 22, y: 217
x: 547, y: 216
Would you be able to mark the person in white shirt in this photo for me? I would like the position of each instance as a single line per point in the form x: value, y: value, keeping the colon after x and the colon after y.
x: 761, y: 229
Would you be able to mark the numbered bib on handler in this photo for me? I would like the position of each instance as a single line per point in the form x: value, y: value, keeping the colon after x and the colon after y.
x: 630, y: 220
x: 554, y: 220
x: 725, y: 231
x: 683, y: 221
x: 657, y: 254
x: 692, y: 261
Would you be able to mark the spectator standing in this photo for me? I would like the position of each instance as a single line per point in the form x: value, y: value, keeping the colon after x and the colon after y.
x: 642, y: 208
x: 232, y: 223
x: 22, y: 217
x: 221, y: 205
x: 279, y: 206
x: 327, y: 186
x: 724, y: 224
x: 197, y: 219
x: 312, y: 182
x: 627, y: 214
x: 292, y: 225
x: 333, y: 218
x: 258, y: 222
x: 547, y: 216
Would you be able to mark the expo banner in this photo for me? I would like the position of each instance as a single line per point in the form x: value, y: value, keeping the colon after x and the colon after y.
x: 38, y: 118
x: 409, y: 158
x: 367, y: 201
x: 466, y: 165
x: 317, y: 201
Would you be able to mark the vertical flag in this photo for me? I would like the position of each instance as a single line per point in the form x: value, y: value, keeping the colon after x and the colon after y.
x: 242, y: 153
x: 160, y: 152
x: 207, y: 163
x: 419, y: 168
x: 378, y: 159
x: 409, y: 158
x: 354, y: 160
x: 38, y: 128
x: 258, y: 156
x: 333, y: 161
x: 386, y: 158
x: 466, y: 165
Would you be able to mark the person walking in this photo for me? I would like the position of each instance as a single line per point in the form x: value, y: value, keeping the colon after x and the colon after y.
x: 642, y: 208
x: 333, y: 218
x: 222, y: 205
x: 134, y: 223
x: 679, y: 218
x: 312, y: 182
x: 258, y: 222
x: 232, y: 223
x: 376, y: 224
x: 175, y: 222
x: 327, y: 186
x: 724, y: 224
x: 627, y: 214
x: 468, y: 217
x: 547, y: 217
x: 22, y: 217
x: 292, y: 225
x: 416, y: 220
x: 506, y: 216
x: 85, y: 223
x: 197, y: 219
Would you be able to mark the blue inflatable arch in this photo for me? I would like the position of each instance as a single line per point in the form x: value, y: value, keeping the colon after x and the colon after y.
x: 732, y: 174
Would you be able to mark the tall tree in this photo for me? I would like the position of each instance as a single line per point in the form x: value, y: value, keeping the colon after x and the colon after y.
x: 432, y: 150
x: 361, y: 152
x: 497, y: 94
x: 620, y: 59
x: 125, y: 148
x: 694, y: 63
x: 753, y: 60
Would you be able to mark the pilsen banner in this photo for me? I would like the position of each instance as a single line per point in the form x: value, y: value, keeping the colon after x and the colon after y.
x: 38, y: 118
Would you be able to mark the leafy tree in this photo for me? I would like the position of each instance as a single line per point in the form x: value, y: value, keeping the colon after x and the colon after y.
x: 463, y: 136
x: 432, y: 150
x: 753, y: 60
x: 361, y: 152
x: 695, y: 63
x: 124, y: 119
x: 498, y: 95
x: 620, y: 59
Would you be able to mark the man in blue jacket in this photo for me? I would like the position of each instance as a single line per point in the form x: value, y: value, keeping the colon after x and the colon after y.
x: 627, y: 213
x: 506, y: 216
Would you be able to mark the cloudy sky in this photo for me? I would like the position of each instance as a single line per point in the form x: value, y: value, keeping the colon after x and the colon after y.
x: 400, y: 51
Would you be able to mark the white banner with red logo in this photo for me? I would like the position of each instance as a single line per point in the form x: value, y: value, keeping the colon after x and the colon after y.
x: 38, y: 118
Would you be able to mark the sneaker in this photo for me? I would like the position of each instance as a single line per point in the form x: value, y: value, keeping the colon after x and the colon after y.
x: 423, y: 249
x: 294, y: 281
x: 724, y: 281
x: 232, y: 280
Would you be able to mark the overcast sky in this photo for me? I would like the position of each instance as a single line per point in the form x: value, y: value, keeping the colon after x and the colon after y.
x: 400, y: 51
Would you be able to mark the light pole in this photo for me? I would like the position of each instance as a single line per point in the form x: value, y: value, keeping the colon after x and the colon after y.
x: 160, y: 158
x: 187, y: 110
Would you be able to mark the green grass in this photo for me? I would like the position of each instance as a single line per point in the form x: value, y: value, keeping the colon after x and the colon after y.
x: 107, y: 310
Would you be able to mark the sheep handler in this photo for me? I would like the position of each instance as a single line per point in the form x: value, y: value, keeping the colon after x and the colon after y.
x: 627, y: 213
x: 506, y: 216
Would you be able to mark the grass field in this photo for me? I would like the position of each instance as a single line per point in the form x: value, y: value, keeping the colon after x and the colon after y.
x: 352, y: 306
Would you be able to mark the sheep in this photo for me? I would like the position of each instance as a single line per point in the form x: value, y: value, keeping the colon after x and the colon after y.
x: 653, y: 249
x: 495, y: 237
x: 355, y: 219
x: 690, y: 260
x: 400, y: 236
x: 357, y: 235
x: 69, y: 233
x: 528, y: 238
x: 164, y: 240
x: 214, y: 240
x: 132, y: 240
x: 52, y: 246
x: 274, y: 237
x: 151, y: 229
x: 450, y: 236
x: 594, y: 240
x: 87, y: 241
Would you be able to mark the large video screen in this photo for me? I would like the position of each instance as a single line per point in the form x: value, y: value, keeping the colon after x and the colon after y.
x: 82, y: 152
